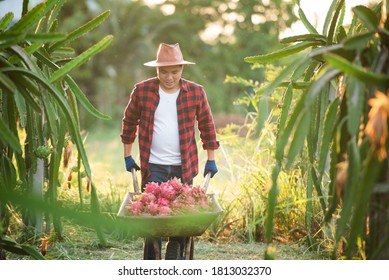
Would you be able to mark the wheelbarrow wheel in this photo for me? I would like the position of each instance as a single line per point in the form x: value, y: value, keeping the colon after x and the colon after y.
x: 172, y: 250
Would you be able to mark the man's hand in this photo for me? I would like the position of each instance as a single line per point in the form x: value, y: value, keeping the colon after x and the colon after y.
x: 130, y: 163
x: 210, y: 166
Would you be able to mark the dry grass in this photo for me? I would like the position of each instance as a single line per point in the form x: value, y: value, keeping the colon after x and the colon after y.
x: 80, y: 243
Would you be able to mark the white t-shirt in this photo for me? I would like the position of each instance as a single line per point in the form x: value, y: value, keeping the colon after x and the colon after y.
x: 165, y: 146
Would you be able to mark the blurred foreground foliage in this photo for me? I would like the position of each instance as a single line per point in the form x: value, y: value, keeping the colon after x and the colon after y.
x: 332, y: 124
x: 39, y: 118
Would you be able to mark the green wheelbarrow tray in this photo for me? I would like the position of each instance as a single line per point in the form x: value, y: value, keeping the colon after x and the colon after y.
x: 167, y: 226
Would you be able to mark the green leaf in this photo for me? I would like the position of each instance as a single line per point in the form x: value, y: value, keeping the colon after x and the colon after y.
x: 33, y: 47
x: 81, y: 31
x: 318, y: 189
x: 49, y: 5
x: 4, y: 37
x: 25, y: 57
x: 9, y: 138
x: 311, y: 70
x: 9, y: 39
x: 303, y: 104
x: 329, y: 16
x: 55, y: 161
x: 51, y: 115
x: 331, y: 31
x: 332, y: 198
x: 284, y: 74
x: 309, y: 207
x: 65, y: 52
x: 75, y: 89
x: 353, y: 26
x: 314, y: 129
x: 305, y: 38
x: 73, y: 105
x: 328, y: 132
x: 352, y: 188
x: 317, y: 53
x: 341, y: 34
x: 300, y: 71
x: 7, y: 84
x: 371, y: 171
x: 21, y: 106
x: 324, y: 101
x: 64, y: 70
x: 6, y: 20
x: 367, y: 16
x: 32, y: 252
x: 44, y: 37
x: 285, y: 103
x: 355, y: 71
x: 84, y: 100
x: 28, y: 20
x: 295, y: 85
x: 54, y: 26
x: 272, y: 201
x: 54, y: 13
x: 11, y: 246
x: 358, y: 41
x: 306, y: 22
x: 285, y: 52
x: 284, y: 135
x: 298, y: 139
x: 323, y: 78
x: 355, y: 95
x: 8, y: 169
x: 27, y: 88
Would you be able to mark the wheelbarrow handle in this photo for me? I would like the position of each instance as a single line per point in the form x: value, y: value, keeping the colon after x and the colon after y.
x: 206, y: 181
x: 135, y: 180
x: 136, y: 185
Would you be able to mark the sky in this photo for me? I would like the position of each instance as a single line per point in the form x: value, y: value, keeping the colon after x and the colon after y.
x: 14, y: 6
x: 315, y: 11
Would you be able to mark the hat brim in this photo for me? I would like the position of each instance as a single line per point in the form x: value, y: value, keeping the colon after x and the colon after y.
x: 155, y: 63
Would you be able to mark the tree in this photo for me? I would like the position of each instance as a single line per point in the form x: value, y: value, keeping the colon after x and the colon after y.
x: 139, y: 29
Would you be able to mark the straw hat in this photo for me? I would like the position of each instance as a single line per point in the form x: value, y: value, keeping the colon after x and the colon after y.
x: 168, y: 55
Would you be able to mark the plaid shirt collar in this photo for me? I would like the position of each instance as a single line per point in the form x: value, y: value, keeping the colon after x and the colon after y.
x: 184, y: 85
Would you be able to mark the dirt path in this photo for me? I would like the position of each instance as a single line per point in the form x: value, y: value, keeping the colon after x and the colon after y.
x: 81, y: 243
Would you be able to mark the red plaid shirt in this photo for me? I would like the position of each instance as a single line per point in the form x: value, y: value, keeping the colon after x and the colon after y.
x: 192, y: 104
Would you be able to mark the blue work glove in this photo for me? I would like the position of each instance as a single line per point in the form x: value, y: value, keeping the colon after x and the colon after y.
x: 210, y: 166
x: 130, y: 163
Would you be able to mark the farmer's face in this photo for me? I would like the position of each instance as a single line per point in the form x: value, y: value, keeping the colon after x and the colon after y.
x: 169, y: 77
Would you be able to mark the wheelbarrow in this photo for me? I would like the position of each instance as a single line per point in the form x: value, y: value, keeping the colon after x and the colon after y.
x: 188, y: 225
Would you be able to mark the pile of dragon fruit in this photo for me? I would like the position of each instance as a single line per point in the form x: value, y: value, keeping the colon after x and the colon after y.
x: 169, y: 198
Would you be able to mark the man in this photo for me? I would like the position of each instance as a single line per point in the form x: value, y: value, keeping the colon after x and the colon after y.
x: 163, y: 110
